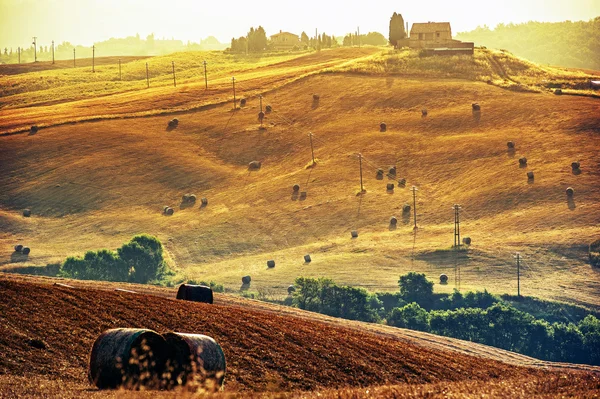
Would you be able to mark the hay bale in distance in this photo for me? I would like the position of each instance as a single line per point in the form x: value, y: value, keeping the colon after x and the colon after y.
x: 303, y: 195
x: 405, y: 208
x: 510, y: 144
x: 558, y: 92
x: 443, y: 279
x: 296, y: 188
x: 354, y: 233
x: 523, y: 161
x: 268, y: 109
x: 18, y: 248
x: 402, y: 182
x: 127, y: 358
x: 390, y: 187
x: 476, y: 107
x: 393, y: 221
x: 466, y: 240
x: 26, y: 212
x: 195, y: 293
x: 254, y: 165
x: 25, y: 250
x: 424, y: 112
x: 204, y: 201
x: 382, y: 127
x: 169, y: 211
x: 530, y: 175
x: 270, y: 264
x: 570, y: 191
x: 246, y: 280
x: 243, y: 102
x: 197, y: 358
x: 392, y: 171
x: 192, y: 199
x: 34, y: 129
x: 307, y: 259
x: 173, y: 123
x: 291, y: 289
x: 379, y: 174
x: 316, y: 97
x: 594, y: 253
x: 575, y: 165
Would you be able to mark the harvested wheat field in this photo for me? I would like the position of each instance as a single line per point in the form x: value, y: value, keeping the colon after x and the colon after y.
x: 269, y: 354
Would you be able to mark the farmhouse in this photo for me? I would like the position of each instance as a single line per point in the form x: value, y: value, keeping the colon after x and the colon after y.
x: 435, y: 37
x: 284, y: 41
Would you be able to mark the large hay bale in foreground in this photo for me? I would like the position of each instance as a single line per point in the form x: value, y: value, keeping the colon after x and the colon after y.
x: 246, y: 280
x: 195, y: 358
x: 195, y: 293
x: 443, y: 279
x: 25, y: 250
x: 270, y: 264
x: 26, y: 212
x: 18, y: 248
x: 127, y: 358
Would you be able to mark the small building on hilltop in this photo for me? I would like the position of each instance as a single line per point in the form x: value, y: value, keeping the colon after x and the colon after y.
x: 284, y: 41
x: 435, y: 38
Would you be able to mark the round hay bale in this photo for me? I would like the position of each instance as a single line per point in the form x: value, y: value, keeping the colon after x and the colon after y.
x: 268, y: 109
x: 261, y: 116
x: 243, y: 102
x: 185, y: 198
x: 296, y: 188
x: 379, y: 173
x: 558, y: 92
x: 390, y: 187
x: 443, y: 279
x: 476, y: 107
x: 523, y: 161
x: 307, y: 259
x: 405, y: 208
x: 192, y: 198
x: 291, y: 289
x: 197, y: 358
x: 316, y: 97
x: 402, y: 182
x: 382, y: 127
x: 270, y: 264
x: 303, y: 195
x: 25, y: 250
x: 34, y: 129
x: 175, y: 121
x: 246, y: 280
x: 26, y: 212
x: 165, y: 208
x: 510, y: 144
x: 254, y: 165
x: 530, y: 175
x: 354, y: 233
x: 570, y: 191
x: 127, y: 358
x: 172, y: 123
x: 195, y: 293
x: 466, y: 240
x: 575, y: 165
x: 392, y: 171
x: 18, y: 248
x: 393, y: 221
x: 424, y: 112
x: 169, y: 211
x: 204, y: 201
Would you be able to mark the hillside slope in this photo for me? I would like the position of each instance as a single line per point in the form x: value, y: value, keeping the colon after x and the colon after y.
x: 265, y: 351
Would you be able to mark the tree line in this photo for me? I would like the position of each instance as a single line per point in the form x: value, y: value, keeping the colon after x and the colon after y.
x: 473, y: 316
x: 569, y: 44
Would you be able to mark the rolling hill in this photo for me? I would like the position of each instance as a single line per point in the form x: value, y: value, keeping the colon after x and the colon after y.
x: 95, y: 184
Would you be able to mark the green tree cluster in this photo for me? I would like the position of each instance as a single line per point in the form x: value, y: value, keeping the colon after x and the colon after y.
x: 139, y: 260
x: 397, y: 30
x: 254, y: 42
x: 370, y: 39
x: 569, y: 44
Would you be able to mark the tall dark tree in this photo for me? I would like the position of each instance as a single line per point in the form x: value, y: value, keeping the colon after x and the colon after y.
x: 304, y: 39
x: 397, y: 31
x: 257, y: 40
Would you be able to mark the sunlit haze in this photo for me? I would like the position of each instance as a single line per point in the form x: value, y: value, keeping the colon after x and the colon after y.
x: 87, y: 21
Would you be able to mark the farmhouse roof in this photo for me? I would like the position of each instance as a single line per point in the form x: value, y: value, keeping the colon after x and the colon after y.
x: 284, y: 33
x: 430, y: 27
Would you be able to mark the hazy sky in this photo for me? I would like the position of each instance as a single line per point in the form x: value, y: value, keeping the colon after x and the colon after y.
x: 88, y: 21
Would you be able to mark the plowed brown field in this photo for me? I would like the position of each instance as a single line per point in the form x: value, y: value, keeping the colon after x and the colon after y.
x: 265, y: 351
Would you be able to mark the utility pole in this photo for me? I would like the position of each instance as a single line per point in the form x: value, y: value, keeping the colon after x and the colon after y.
x: 312, y: 151
x: 53, y: 52
x: 261, y: 115
x: 518, y: 256
x: 362, y: 190
x: 147, y: 77
x: 206, y: 77
x: 414, y: 190
x: 317, y: 47
x: 93, y: 58
x: 456, y: 208
x: 358, y: 36
x: 119, y: 69
x: 19, y: 52
x: 234, y: 101
x: 34, y: 49
x: 174, y: 81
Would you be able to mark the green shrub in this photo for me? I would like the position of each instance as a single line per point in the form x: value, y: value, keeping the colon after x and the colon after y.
x: 213, y: 285
x: 414, y: 287
x: 410, y: 316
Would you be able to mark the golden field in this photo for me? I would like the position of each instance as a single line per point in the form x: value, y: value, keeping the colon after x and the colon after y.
x: 103, y: 165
